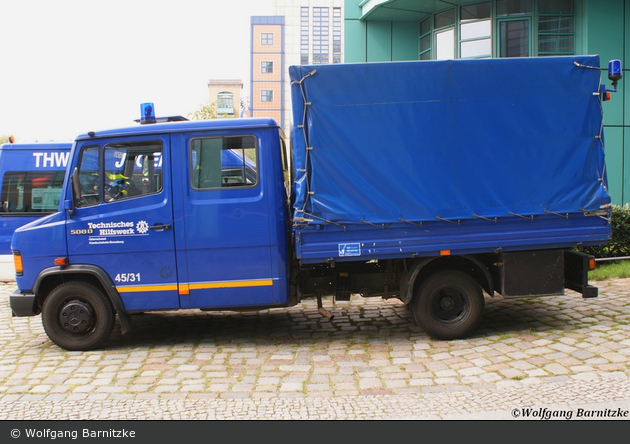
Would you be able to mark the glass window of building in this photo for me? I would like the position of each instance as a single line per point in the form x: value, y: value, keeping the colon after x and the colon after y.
x: 513, y: 7
x: 475, y: 31
x: 266, y: 38
x: 445, y: 35
x: 304, y: 17
x: 320, y: 35
x: 425, y: 39
x: 444, y: 19
x: 514, y: 38
x: 556, y: 27
x: 514, y: 24
x: 266, y: 67
x: 266, y: 95
x: 500, y: 28
x: 336, y: 35
x: 225, y: 103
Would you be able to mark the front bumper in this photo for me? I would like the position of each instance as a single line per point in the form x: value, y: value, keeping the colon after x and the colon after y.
x: 22, y: 304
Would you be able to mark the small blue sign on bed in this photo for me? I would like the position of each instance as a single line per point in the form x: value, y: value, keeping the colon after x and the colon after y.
x: 349, y: 250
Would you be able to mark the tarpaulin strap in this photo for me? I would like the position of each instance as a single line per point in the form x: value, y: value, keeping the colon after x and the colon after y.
x: 579, y: 65
x: 312, y: 216
x: 299, y: 82
x: 601, y: 129
x: 601, y: 140
x: 304, y: 132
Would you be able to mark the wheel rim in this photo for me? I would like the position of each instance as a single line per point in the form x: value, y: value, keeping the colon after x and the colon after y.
x: 449, y: 305
x: 76, y: 317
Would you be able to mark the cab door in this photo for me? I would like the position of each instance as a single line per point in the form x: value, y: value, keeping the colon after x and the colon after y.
x: 226, y: 242
x: 123, y: 218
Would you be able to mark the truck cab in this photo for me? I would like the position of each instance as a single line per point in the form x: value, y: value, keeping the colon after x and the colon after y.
x: 167, y: 216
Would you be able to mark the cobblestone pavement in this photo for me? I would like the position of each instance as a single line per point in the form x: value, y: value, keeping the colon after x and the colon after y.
x: 369, y: 362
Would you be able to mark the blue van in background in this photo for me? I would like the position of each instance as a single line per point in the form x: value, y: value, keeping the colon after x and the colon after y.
x: 31, y: 176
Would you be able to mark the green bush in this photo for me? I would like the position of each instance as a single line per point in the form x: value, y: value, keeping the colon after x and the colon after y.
x: 619, y: 245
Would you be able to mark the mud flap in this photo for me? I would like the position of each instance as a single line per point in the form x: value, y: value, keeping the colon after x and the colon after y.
x: 576, y: 268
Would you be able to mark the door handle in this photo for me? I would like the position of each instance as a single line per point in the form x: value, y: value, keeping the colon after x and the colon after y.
x: 160, y: 227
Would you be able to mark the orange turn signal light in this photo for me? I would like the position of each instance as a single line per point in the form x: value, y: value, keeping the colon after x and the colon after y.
x: 17, y: 263
x: 445, y: 252
x: 592, y: 264
x: 61, y: 261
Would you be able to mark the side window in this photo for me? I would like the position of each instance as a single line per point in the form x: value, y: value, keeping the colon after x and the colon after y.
x: 284, y: 155
x: 89, y: 178
x: 31, y: 191
x: 222, y: 162
x: 131, y: 170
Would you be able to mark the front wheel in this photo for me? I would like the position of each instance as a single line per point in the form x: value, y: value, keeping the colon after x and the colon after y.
x: 448, y: 305
x: 77, y: 316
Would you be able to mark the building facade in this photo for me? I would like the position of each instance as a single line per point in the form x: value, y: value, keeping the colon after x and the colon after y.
x: 301, y: 32
x: 226, y: 96
x: 267, y: 67
x: 396, y: 30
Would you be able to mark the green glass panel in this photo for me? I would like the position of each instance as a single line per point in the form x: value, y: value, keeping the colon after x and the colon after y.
x: 446, y: 18
x: 509, y: 7
x: 555, y: 6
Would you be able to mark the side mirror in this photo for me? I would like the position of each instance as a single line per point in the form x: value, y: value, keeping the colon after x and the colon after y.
x: 67, y: 205
x: 76, y: 191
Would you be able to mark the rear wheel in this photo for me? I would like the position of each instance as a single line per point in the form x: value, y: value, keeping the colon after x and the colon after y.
x: 448, y: 305
x: 77, y: 316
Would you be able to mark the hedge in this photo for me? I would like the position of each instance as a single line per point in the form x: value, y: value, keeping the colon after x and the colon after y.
x: 619, y: 245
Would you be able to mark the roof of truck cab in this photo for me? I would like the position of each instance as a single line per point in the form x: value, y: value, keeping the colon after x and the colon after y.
x: 186, y: 126
x: 32, y: 146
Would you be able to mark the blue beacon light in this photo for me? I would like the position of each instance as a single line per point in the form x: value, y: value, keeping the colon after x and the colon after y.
x: 614, y: 72
x: 147, y: 113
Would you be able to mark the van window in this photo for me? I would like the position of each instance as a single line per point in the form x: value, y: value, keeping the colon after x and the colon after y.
x: 132, y: 170
x: 129, y: 170
x: 89, y: 177
x: 285, y: 155
x: 31, y: 191
x: 224, y: 162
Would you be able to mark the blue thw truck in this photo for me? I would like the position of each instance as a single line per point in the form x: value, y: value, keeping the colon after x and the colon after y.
x: 32, y: 175
x: 434, y: 182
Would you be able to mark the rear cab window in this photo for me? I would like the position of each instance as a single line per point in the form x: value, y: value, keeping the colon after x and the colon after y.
x: 224, y: 162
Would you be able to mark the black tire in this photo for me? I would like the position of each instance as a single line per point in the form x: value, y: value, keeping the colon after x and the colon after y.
x: 77, y: 316
x: 448, y: 305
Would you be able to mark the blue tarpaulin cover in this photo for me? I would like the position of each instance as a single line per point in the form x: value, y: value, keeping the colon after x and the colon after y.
x: 456, y: 139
